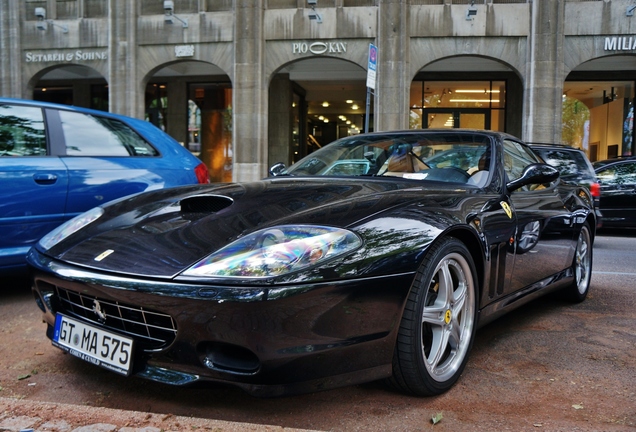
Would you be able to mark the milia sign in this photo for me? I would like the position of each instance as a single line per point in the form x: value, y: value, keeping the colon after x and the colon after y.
x: 620, y: 43
x: 319, y: 48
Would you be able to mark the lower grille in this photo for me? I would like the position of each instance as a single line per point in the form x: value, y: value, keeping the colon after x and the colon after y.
x: 152, y: 330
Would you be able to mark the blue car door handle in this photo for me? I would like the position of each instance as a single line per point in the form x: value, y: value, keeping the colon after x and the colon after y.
x: 45, y: 179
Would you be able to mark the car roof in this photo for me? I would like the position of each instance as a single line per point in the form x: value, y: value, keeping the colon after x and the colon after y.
x: 57, y: 106
x: 494, y: 134
x: 613, y: 161
x: 554, y: 146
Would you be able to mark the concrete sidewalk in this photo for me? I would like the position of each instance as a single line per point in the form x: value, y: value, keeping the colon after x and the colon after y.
x: 25, y: 415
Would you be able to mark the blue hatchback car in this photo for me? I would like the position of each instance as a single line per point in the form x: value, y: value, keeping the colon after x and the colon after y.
x: 57, y: 161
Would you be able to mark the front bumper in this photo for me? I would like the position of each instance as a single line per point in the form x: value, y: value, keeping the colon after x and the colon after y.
x: 268, y: 340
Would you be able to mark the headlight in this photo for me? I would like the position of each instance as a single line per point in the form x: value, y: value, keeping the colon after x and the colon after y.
x: 277, y: 251
x: 69, y: 227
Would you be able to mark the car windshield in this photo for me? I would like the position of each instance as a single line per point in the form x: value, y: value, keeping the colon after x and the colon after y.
x: 441, y: 156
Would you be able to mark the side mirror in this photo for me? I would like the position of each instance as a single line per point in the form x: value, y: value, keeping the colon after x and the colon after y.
x: 534, y: 174
x: 277, y: 169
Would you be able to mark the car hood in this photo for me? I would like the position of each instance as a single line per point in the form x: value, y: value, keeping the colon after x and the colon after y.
x: 162, y: 233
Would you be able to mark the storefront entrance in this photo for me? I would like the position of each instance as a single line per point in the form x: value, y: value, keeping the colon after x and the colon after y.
x: 327, y: 97
x: 73, y: 85
x: 458, y: 104
x: 192, y: 102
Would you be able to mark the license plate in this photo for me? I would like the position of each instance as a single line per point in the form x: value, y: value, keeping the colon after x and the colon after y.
x: 93, y: 344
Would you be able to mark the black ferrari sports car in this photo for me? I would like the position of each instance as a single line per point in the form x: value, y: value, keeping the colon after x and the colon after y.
x: 360, y: 262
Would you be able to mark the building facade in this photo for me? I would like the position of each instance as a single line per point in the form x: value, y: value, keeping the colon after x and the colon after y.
x: 248, y: 83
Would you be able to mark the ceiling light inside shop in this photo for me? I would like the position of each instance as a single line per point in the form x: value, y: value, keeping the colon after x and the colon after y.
x: 477, y: 91
x: 474, y: 100
x: 349, y: 101
x: 325, y: 104
x: 354, y: 106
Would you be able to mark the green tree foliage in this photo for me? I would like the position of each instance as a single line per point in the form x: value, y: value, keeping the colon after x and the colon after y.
x: 575, y: 114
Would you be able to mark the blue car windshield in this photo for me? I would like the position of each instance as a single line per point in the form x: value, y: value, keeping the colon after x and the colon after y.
x: 440, y: 156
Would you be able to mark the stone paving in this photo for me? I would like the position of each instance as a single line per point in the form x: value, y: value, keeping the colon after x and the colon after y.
x: 32, y: 416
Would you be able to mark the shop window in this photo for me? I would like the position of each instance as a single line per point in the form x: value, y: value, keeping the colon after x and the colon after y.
x: 297, y: 130
x: 597, y: 117
x: 457, y: 104
x: 61, y: 95
x: 157, y: 105
x: 99, y: 97
x: 210, y: 127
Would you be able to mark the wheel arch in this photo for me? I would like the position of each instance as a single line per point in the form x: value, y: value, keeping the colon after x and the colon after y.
x: 476, y: 249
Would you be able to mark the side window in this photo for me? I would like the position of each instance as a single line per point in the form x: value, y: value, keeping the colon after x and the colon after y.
x: 516, y: 158
x: 88, y: 135
x: 608, y: 176
x: 619, y: 175
x: 22, y: 131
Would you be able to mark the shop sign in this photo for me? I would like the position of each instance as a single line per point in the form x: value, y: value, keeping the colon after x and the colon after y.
x: 184, y: 50
x: 620, y: 43
x: 59, y: 57
x: 318, y: 48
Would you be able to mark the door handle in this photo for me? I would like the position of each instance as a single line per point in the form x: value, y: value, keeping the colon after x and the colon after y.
x: 45, y: 178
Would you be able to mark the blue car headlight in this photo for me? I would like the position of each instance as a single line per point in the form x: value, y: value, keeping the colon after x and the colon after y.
x: 277, y: 251
x: 69, y: 227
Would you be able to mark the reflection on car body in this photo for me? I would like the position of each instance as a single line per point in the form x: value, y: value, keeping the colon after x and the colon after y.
x: 329, y: 273
x: 574, y: 168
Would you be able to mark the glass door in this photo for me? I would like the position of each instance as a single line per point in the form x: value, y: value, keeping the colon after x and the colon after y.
x: 449, y: 119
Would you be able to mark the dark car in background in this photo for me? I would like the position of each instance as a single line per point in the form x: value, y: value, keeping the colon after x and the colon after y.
x: 360, y: 262
x: 574, y: 168
x: 617, y: 178
x: 58, y: 161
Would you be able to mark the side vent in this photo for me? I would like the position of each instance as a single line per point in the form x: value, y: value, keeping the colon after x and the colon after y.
x: 205, y: 204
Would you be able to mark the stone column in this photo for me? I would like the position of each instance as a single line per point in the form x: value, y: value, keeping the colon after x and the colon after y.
x: 544, y: 72
x: 391, y: 100
x: 10, y: 76
x: 249, y: 131
x: 125, y: 94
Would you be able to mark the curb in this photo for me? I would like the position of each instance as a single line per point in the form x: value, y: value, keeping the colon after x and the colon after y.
x: 32, y: 416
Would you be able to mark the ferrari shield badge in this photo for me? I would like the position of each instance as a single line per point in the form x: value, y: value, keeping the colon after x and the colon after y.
x: 507, y: 209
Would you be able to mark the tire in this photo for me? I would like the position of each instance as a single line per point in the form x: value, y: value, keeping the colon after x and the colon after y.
x: 439, y: 322
x: 581, y: 267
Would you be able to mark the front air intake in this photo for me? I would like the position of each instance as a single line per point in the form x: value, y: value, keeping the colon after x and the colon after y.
x: 205, y: 204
